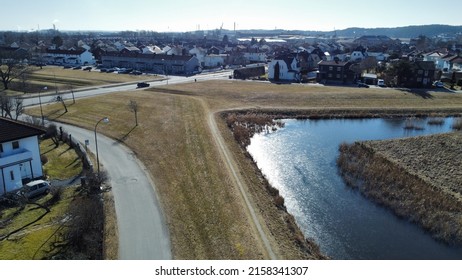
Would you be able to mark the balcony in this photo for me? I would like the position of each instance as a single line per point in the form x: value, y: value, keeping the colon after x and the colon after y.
x: 16, y: 158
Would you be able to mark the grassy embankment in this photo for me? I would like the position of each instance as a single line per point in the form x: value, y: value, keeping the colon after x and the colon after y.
x: 36, y: 228
x: 418, y: 178
x: 204, y: 210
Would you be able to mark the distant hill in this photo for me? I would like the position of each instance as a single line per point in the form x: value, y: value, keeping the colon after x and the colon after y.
x: 401, y: 32
x: 394, y: 32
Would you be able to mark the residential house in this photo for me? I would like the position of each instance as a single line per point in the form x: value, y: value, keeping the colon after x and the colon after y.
x: 157, y: 63
x: 285, y: 67
x: 200, y: 54
x: 436, y: 57
x: 7, y: 53
x: 19, y: 154
x: 130, y: 50
x: 308, y: 61
x: 255, y: 57
x: 66, y: 57
x: 335, y: 71
x: 373, y: 41
x: 151, y: 50
x: 379, y: 56
x: 452, y: 63
x: 358, y: 55
x: 422, y: 75
x: 215, y: 60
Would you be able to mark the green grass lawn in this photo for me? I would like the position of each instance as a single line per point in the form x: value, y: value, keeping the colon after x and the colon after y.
x: 63, y: 162
x: 36, y: 228
x: 33, y: 240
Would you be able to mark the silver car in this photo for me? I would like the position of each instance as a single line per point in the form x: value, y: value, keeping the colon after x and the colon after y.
x: 35, y: 188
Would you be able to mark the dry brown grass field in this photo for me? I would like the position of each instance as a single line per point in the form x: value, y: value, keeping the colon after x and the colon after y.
x: 58, y: 79
x: 205, y: 210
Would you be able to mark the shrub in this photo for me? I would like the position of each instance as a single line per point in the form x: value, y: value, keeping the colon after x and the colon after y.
x: 43, y: 159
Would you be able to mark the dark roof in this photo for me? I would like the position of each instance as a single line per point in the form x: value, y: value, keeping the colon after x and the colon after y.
x: 424, y: 65
x: 68, y: 52
x: 333, y: 63
x: 11, y: 130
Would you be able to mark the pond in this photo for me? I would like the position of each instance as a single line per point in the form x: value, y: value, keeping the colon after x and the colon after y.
x: 300, y: 160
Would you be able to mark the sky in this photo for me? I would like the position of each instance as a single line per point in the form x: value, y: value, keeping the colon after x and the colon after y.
x: 187, y: 15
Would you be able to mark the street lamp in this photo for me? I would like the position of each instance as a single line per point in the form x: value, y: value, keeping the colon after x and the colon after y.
x: 40, y: 101
x: 105, y: 120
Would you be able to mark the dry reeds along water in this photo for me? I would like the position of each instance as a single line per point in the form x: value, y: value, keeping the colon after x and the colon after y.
x: 457, y: 124
x: 300, y: 161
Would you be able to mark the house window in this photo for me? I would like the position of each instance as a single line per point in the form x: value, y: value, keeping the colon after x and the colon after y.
x: 331, y: 68
x: 426, y: 73
x: 420, y: 72
x: 15, y: 145
x: 1, y: 148
x: 339, y: 69
x: 338, y: 76
x: 12, y: 175
x: 330, y: 75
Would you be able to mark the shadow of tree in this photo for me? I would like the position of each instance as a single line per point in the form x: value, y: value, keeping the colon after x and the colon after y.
x: 123, y: 138
x: 420, y: 92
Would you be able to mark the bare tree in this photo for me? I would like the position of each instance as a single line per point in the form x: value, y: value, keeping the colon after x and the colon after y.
x: 10, y: 68
x: 18, y: 107
x: 133, y: 107
x: 10, y: 105
x: 60, y: 99
x: 72, y: 91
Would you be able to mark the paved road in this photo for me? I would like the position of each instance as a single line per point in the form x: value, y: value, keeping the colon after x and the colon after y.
x: 50, y: 97
x: 143, y: 232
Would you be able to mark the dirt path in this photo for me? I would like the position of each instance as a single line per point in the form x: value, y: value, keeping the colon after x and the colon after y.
x: 232, y: 168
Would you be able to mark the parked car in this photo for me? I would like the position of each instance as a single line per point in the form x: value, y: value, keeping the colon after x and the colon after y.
x: 88, y: 68
x: 363, y: 85
x: 438, y: 84
x: 77, y: 67
x: 35, y: 188
x: 142, y: 85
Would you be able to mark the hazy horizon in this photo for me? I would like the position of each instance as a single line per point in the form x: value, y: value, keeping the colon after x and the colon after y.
x: 186, y: 16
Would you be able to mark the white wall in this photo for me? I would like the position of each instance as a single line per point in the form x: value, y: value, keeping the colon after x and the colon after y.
x: 27, y: 146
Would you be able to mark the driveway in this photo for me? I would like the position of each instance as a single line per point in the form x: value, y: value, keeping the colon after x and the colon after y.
x: 143, y: 233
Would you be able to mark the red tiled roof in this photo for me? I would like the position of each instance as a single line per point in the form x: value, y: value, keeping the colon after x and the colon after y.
x: 11, y: 130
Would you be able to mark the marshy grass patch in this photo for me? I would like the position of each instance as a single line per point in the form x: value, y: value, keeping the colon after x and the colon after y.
x: 435, y: 121
x: 457, y: 124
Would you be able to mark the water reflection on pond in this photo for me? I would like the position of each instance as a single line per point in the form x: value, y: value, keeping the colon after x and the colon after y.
x: 300, y: 161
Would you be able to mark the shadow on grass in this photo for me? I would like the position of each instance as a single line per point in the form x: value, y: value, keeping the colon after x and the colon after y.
x: 75, y: 162
x: 423, y: 93
x: 65, y: 151
x: 123, y: 138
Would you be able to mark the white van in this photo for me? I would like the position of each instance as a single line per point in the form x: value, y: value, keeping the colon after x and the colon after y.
x: 380, y: 83
x: 35, y: 188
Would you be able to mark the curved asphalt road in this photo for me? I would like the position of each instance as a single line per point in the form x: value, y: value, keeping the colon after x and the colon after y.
x: 143, y: 233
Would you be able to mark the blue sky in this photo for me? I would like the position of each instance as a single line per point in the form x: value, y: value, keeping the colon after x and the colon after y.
x: 185, y: 15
